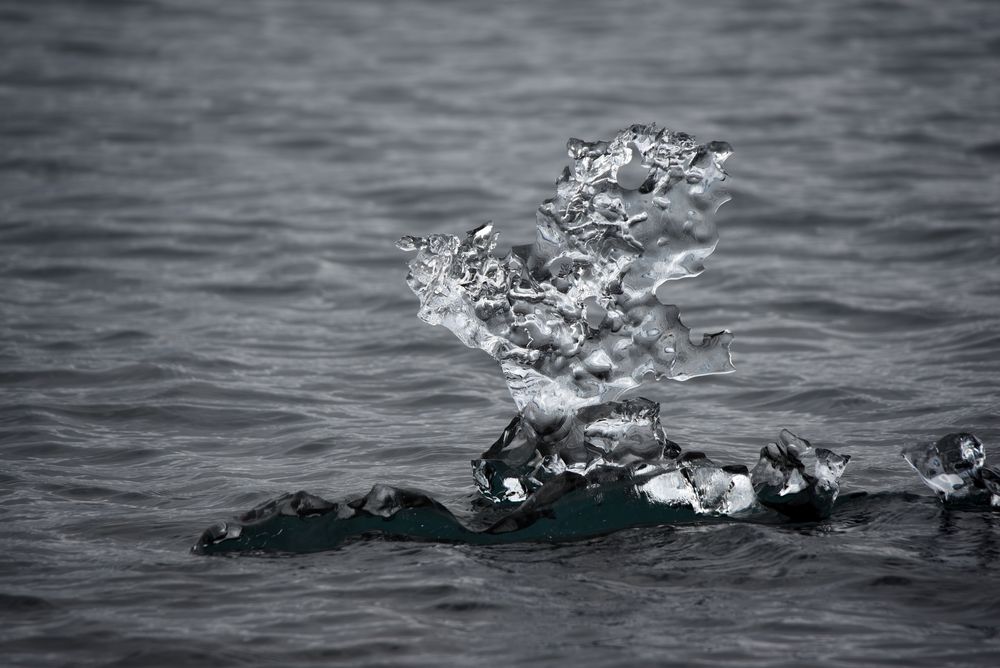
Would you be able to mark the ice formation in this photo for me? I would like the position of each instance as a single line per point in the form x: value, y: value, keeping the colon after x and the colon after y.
x: 576, y: 323
x: 955, y: 468
x: 782, y: 482
x: 574, y: 319
x: 622, y: 440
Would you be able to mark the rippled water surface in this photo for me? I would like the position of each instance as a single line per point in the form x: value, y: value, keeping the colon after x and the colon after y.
x: 201, y: 308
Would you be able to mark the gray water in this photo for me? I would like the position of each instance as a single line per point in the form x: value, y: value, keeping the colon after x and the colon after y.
x: 201, y: 308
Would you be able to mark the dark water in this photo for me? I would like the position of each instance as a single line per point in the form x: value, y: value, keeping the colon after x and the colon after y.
x: 201, y: 308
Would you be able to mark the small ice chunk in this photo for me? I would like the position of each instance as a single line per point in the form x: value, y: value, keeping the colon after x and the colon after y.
x: 697, y: 483
x: 794, y: 483
x: 500, y: 482
x: 991, y: 480
x: 720, y: 490
x: 791, y: 442
x: 952, y: 466
x: 514, y: 490
x: 830, y: 466
x: 740, y: 496
x: 710, y: 482
x: 782, y: 483
x: 671, y: 488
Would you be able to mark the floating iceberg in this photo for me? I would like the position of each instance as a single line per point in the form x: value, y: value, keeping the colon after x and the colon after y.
x: 571, y: 503
x: 577, y: 323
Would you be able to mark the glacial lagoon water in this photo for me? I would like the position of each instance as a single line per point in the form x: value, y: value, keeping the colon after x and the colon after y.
x: 202, y: 309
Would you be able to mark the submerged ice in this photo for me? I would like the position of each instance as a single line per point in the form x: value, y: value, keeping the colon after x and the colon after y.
x: 624, y: 440
x: 782, y: 481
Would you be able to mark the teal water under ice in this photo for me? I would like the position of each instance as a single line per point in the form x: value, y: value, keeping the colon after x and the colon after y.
x: 201, y: 308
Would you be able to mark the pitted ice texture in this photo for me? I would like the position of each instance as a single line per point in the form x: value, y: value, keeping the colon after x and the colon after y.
x: 574, y: 319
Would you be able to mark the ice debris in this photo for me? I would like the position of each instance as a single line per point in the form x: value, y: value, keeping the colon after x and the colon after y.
x: 955, y: 468
x: 783, y: 483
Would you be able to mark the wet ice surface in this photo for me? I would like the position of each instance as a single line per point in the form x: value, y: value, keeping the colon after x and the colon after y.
x: 782, y: 481
x: 954, y: 467
x: 578, y: 318
x: 586, y: 290
x: 191, y: 324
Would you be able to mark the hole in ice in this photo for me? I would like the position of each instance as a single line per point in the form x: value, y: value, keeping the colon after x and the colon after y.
x: 593, y: 312
x: 633, y: 174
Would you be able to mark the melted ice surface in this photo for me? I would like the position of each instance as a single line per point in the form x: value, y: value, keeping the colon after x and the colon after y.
x: 955, y: 468
x: 574, y: 319
x: 575, y: 322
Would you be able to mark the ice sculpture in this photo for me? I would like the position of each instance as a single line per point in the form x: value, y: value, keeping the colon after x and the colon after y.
x: 574, y: 319
x: 576, y: 323
x: 955, y: 468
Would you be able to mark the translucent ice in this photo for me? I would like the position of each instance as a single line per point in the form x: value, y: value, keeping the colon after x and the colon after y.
x: 574, y: 319
x: 781, y: 481
x: 614, y: 434
x: 955, y: 468
x: 699, y: 483
x: 576, y: 322
x: 618, y: 439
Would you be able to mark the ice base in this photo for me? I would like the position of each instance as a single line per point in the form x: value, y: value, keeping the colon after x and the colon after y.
x: 613, y: 468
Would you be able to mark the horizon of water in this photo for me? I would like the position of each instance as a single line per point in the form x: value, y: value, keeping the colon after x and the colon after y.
x: 202, y: 308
